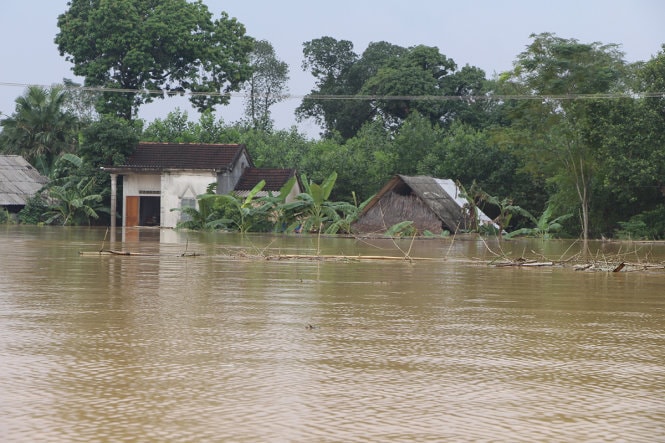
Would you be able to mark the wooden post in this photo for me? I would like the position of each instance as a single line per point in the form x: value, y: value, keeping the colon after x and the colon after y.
x: 114, y: 186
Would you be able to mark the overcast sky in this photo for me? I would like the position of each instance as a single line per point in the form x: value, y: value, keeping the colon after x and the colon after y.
x: 488, y: 34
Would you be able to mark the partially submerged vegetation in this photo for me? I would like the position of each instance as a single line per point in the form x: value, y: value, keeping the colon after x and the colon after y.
x: 572, y: 128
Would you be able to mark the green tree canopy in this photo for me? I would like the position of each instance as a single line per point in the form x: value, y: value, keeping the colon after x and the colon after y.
x: 267, y: 85
x: 387, y: 81
x: 329, y: 61
x: 147, y: 49
x: 553, y: 131
x: 40, y: 129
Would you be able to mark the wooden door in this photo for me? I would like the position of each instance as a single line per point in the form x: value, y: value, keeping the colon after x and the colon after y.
x: 131, y: 211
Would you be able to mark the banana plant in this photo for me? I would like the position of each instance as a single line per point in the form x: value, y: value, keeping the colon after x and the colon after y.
x: 273, y: 206
x: 206, y: 216
x: 312, y: 210
x: 350, y: 213
x: 247, y: 211
x: 545, y: 227
x: 72, y: 198
x: 506, y: 211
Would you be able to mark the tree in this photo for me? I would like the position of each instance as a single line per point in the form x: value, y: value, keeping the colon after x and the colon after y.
x: 108, y: 141
x: 553, y: 127
x: 80, y: 102
x: 329, y: 61
x: 387, y: 82
x: 138, y: 50
x: 417, y: 76
x: 40, y: 129
x: 177, y: 128
x: 72, y: 200
x: 267, y: 85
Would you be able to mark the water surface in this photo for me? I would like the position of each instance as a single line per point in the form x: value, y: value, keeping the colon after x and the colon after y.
x: 228, y: 346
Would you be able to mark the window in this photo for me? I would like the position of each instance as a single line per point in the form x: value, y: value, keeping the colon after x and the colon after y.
x: 186, y: 203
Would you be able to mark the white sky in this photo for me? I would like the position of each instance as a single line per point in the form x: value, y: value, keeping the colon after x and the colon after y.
x: 488, y: 34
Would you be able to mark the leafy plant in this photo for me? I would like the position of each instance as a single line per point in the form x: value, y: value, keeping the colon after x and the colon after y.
x: 350, y: 214
x: 246, y: 212
x: 72, y: 200
x: 472, y: 196
x: 33, y: 211
x: 545, y: 227
x: 205, y: 217
x: 506, y: 211
x: 4, y: 216
x: 312, y: 210
x: 401, y: 229
x: 648, y: 225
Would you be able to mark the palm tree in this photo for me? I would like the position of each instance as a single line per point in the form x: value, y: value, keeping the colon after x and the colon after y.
x: 40, y: 129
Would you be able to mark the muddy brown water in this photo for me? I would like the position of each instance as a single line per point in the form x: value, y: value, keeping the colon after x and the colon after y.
x: 224, y: 347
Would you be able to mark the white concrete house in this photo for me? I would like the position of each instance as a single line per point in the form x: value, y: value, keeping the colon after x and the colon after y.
x: 158, y: 177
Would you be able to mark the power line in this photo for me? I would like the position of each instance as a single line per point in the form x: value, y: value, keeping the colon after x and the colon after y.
x: 358, y: 97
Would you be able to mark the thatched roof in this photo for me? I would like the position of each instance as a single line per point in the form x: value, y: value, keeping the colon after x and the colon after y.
x: 19, y: 181
x: 432, y: 204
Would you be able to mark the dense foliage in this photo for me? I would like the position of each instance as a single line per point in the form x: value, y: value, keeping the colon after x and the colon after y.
x: 570, y: 142
x: 147, y: 49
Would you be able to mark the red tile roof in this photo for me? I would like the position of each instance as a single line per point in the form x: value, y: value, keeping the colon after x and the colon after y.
x: 275, y: 178
x: 184, y: 156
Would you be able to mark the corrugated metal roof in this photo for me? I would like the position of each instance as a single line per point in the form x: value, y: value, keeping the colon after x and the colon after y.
x: 19, y: 180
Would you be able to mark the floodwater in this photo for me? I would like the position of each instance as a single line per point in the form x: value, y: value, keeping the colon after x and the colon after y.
x: 227, y: 346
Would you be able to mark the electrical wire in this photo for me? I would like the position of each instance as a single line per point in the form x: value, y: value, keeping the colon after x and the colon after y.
x: 468, y: 98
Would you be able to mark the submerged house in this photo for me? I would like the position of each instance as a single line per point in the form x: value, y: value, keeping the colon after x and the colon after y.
x: 19, y: 181
x: 159, y: 177
x: 432, y: 204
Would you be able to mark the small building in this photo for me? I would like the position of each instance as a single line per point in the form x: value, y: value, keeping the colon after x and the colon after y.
x: 159, y: 177
x: 19, y: 181
x: 275, y: 178
x: 432, y: 204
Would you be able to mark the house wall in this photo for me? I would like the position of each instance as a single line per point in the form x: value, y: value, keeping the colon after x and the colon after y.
x: 138, y: 185
x: 175, y: 189
x: 178, y: 189
x: 293, y: 194
x: 226, y: 181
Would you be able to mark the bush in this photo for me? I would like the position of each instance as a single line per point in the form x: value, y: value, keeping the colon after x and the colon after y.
x: 648, y: 225
x: 4, y: 216
x: 33, y: 212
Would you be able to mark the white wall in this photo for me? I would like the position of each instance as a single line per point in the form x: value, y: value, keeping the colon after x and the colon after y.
x: 172, y: 188
x: 133, y: 185
x: 176, y: 186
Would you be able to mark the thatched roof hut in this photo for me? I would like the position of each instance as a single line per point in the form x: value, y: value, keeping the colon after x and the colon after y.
x: 432, y: 204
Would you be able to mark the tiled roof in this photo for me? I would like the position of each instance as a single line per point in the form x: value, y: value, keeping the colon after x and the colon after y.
x: 184, y: 156
x: 18, y: 180
x: 275, y: 178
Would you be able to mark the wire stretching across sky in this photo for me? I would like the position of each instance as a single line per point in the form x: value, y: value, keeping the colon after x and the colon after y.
x: 360, y: 97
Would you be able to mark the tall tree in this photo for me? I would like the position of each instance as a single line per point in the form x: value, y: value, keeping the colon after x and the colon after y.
x: 138, y: 50
x: 387, y: 81
x: 40, y: 129
x: 408, y: 82
x: 330, y: 61
x: 267, y: 85
x: 565, y: 72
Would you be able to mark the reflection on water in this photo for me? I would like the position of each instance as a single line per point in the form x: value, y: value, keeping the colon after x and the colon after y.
x: 212, y: 348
